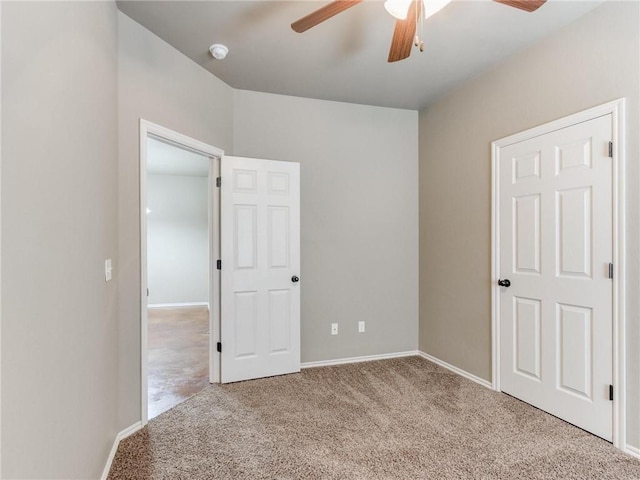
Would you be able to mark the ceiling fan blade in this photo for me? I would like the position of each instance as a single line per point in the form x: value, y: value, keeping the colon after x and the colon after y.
x: 322, y: 14
x: 404, y: 33
x: 526, y: 5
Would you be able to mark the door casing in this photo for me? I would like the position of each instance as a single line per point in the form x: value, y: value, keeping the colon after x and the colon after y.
x: 616, y: 110
x: 152, y: 130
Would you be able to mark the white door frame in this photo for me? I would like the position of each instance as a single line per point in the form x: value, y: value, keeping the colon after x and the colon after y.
x: 616, y: 110
x: 151, y: 130
x: 0, y: 260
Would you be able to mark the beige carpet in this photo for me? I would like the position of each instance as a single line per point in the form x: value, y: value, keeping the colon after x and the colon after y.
x: 392, y: 419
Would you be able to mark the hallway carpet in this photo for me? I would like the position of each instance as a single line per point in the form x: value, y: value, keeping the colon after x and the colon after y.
x: 392, y: 419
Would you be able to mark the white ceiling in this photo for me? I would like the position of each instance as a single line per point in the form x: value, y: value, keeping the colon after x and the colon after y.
x: 345, y: 58
x: 165, y: 159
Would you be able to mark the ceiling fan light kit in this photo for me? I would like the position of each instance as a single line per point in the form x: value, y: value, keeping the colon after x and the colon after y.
x: 407, y: 14
x: 398, y: 8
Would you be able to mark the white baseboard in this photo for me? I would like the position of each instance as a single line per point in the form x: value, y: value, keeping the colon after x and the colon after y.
x: 366, y: 358
x: 457, y: 370
x: 178, y: 305
x: 633, y: 451
x: 383, y: 356
x: 119, y: 437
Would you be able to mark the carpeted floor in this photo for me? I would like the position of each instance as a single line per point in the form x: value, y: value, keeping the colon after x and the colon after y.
x: 392, y: 419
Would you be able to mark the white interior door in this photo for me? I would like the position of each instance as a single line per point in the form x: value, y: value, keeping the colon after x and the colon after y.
x: 260, y: 252
x: 556, y: 236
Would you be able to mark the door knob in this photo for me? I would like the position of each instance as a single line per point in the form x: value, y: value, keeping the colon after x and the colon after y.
x: 295, y: 279
x: 504, y: 283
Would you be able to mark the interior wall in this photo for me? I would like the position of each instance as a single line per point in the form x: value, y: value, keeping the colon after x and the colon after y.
x: 352, y: 149
x: 178, y: 239
x: 161, y: 85
x: 589, y: 62
x: 59, y: 164
x: 359, y: 217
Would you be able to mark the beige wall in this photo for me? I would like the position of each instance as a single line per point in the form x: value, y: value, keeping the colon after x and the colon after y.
x: 59, y: 224
x: 161, y: 85
x: 359, y: 217
x: 364, y: 208
x: 77, y: 349
x: 590, y: 62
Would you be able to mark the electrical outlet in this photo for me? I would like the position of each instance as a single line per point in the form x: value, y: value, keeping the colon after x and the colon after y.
x: 360, y: 327
x: 334, y: 329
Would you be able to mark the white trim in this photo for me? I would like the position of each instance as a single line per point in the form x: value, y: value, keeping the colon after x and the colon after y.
x: 178, y: 305
x: 633, y: 451
x: 619, y: 275
x: 214, y: 274
x: 456, y: 370
x: 148, y: 129
x: 495, y: 269
x: 385, y: 356
x: 366, y: 358
x: 564, y: 122
x: 0, y: 249
x: 114, y: 449
x: 616, y: 109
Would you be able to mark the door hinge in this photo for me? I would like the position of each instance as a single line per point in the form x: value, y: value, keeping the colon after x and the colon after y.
x: 218, y: 181
x: 611, y: 392
x: 610, y: 149
x: 611, y: 270
x: 219, y: 347
x: 219, y: 264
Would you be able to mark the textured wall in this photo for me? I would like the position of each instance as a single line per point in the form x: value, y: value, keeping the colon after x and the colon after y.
x: 59, y: 224
x: 359, y: 217
x: 589, y: 62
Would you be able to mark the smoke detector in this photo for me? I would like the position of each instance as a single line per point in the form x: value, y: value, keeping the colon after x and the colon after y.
x: 218, y: 51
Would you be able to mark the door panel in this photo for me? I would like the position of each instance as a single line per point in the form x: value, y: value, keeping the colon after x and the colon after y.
x: 260, y: 251
x: 556, y: 233
x: 574, y: 325
x: 246, y: 319
x: 573, y: 233
x: 527, y: 336
x: 245, y: 236
x: 278, y: 236
x: 279, y: 320
x: 526, y: 219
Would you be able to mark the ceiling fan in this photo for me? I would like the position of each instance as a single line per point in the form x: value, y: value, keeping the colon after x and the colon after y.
x: 407, y: 13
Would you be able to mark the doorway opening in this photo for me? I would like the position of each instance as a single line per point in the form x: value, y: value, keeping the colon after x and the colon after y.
x: 180, y: 285
x: 177, y: 274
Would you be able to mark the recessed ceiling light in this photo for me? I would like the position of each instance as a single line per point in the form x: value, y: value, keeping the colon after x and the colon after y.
x: 218, y: 51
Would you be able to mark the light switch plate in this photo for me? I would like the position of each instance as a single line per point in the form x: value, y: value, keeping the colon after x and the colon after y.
x: 107, y: 270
